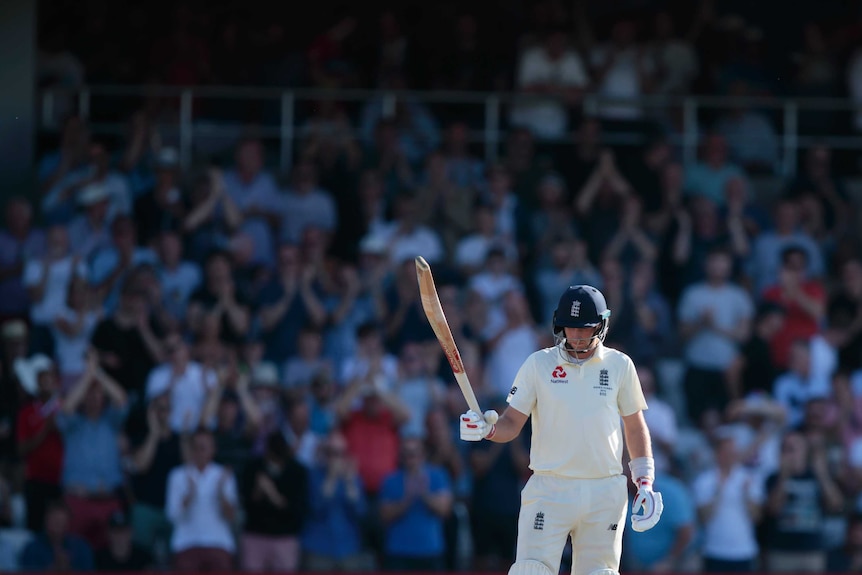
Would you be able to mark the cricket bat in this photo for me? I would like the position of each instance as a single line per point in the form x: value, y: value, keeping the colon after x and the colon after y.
x: 437, y: 319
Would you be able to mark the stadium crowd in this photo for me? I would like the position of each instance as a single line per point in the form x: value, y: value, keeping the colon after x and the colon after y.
x: 219, y: 368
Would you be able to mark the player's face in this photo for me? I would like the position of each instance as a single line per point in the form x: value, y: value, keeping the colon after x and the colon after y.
x: 581, y: 341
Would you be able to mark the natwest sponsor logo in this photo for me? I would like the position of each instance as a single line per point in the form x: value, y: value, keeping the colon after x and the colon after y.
x: 559, y: 375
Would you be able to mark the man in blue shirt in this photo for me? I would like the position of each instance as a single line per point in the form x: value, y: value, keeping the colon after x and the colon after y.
x: 56, y: 549
x: 414, y: 502
x: 664, y: 547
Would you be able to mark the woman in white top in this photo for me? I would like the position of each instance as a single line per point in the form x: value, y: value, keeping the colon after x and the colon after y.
x: 72, y: 327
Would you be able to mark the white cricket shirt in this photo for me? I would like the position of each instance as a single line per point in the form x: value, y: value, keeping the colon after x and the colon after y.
x: 575, y: 411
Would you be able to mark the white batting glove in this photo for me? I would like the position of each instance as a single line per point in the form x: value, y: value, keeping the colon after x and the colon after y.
x: 643, y: 468
x: 475, y: 427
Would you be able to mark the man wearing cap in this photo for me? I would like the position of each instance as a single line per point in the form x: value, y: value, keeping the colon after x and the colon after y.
x: 91, y: 229
x: 121, y: 554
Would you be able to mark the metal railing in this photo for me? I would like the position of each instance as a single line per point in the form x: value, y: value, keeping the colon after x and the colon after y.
x: 493, y: 107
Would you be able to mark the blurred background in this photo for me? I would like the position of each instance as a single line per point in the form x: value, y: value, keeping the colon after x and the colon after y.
x: 212, y: 353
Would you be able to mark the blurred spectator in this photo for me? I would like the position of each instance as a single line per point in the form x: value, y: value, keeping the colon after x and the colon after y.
x: 154, y: 450
x: 202, y: 504
x: 254, y: 192
x: 55, y: 548
x: 233, y: 416
x: 91, y: 420
x: 13, y: 345
x: 568, y: 265
x: 550, y: 220
x: 306, y: 205
x: 803, y: 299
x: 73, y: 328
x: 550, y: 77
x: 622, y: 69
x: 385, y: 156
x: 665, y: 548
x: 444, y: 205
x: 709, y: 176
x: 632, y: 242
x: 409, y: 131
x: 644, y: 325
x: 729, y: 501
x: 69, y: 161
x: 287, y: 302
x: 39, y: 443
x: 417, y: 388
x: 799, y: 383
x: 753, y: 369
x: 577, y: 167
x: 332, y: 536
x: 20, y: 242
x: 598, y: 203
x: 745, y: 218
x: 90, y: 230
x: 406, y: 236
x: 798, y: 496
x: 472, y: 250
x: 757, y: 424
x: 122, y: 554
x: 511, y: 341
x: 370, y: 416
x: 212, y: 216
x: 498, y: 471
x: 405, y: 318
x: 818, y: 178
x: 766, y: 255
x: 329, y: 56
x: 301, y: 368
x: 463, y: 168
x: 47, y: 279
x: 414, y: 502
x: 187, y: 381
x: 751, y: 139
x: 393, y: 50
x: 371, y: 359
x: 674, y: 60
x: 322, y: 396
x: 109, y: 265
x: 303, y: 441
x: 142, y: 155
x: 661, y: 419
x: 221, y: 301
x: 332, y: 149
x: 715, y: 318
x: 179, y: 277
x: 165, y: 206
x: 126, y: 343
x: 275, y: 495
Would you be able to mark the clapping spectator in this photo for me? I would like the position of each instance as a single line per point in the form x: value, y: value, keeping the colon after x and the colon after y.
x: 598, y: 202
x: 187, y: 381
x: 287, y: 302
x: 462, y: 166
x: 444, y: 205
x: 126, y: 341
x: 710, y: 175
x: 819, y: 179
x: 632, y: 242
x: 754, y: 370
x: 275, y: 498
x: 306, y: 205
x: 644, y: 325
x: 91, y: 421
x: 301, y: 368
x: 20, y: 242
x: 165, y: 206
x: 803, y: 299
x: 110, y: 265
x: 551, y: 76
x: 56, y: 548
x: 729, y: 500
x: 72, y: 329
x: 569, y: 265
x: 212, y: 217
x: 799, y: 495
x: 418, y: 388
x: 414, y: 502
x: 178, y: 277
x: 303, y: 441
x: 332, y: 538
x: 471, y: 251
x: 751, y: 139
x: 40, y: 445
x: 122, y: 554
x: 154, y: 450
x: 202, y: 504
x: 221, y: 300
x: 511, y: 342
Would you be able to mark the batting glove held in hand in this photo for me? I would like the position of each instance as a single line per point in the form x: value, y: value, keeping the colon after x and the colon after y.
x: 475, y: 427
x: 650, y: 501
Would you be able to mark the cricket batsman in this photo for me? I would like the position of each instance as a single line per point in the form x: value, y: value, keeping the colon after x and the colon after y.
x: 577, y: 393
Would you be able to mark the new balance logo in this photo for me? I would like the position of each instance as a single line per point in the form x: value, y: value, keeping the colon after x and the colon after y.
x: 576, y: 308
x: 514, y: 390
x: 539, y: 521
x: 612, y: 527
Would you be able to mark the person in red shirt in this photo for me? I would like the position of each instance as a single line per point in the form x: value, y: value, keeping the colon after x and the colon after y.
x: 39, y: 443
x: 370, y: 418
x: 803, y: 299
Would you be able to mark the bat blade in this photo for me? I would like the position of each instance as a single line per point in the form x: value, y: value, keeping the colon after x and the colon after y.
x: 434, y: 312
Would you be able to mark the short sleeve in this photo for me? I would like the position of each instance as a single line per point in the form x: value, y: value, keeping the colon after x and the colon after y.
x: 631, y: 397
x: 522, y: 395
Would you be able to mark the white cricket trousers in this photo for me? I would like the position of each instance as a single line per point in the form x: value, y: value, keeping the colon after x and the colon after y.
x: 592, y: 511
